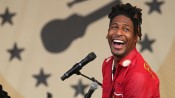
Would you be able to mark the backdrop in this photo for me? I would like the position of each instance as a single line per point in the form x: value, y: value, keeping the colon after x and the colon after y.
x: 41, y: 39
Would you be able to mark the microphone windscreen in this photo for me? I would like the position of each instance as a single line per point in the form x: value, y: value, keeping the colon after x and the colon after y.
x: 91, y: 56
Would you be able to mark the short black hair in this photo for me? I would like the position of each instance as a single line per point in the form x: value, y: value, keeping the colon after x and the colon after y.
x: 131, y: 12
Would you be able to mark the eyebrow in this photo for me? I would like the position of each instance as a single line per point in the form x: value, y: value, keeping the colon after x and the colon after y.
x: 117, y: 23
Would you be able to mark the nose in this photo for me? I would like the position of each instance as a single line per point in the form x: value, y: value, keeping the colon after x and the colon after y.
x: 119, y: 32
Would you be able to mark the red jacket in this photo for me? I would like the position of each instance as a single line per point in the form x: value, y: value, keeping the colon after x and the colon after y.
x: 133, y: 78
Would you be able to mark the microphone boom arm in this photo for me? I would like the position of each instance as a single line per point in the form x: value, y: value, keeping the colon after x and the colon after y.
x: 92, y: 79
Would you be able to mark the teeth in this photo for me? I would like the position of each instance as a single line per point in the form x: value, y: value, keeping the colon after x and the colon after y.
x: 118, y: 41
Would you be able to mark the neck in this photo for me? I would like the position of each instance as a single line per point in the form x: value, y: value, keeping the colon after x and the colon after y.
x: 116, y: 60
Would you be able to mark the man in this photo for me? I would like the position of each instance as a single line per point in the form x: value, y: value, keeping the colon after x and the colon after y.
x: 126, y: 74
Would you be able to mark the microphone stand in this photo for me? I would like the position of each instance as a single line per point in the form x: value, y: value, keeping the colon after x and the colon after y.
x: 92, y: 79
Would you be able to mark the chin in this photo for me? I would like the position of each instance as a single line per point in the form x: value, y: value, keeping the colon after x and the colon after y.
x: 118, y: 53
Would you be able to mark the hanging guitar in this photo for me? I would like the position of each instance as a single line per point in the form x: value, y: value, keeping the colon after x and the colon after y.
x: 57, y: 35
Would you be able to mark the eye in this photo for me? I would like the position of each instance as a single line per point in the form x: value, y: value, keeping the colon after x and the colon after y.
x: 126, y: 29
x: 113, y: 27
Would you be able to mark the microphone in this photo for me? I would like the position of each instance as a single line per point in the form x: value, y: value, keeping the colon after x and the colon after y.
x: 78, y: 66
x: 93, y: 87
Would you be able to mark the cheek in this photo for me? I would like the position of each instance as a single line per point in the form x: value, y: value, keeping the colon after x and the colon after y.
x: 108, y: 35
x: 131, y: 39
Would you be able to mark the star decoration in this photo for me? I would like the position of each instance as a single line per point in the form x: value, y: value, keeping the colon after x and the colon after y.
x: 7, y: 17
x: 146, y: 44
x: 154, y: 6
x: 15, y: 52
x: 49, y: 95
x: 41, y: 78
x: 79, y: 88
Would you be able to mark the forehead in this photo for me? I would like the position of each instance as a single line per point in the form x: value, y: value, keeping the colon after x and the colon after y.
x: 121, y: 19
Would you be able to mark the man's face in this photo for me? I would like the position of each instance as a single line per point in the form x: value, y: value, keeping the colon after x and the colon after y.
x: 121, y: 36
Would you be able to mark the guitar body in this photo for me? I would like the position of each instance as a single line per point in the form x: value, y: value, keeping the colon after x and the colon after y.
x: 57, y: 35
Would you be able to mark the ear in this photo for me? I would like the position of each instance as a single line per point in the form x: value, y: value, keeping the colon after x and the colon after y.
x: 107, y: 36
x: 137, y: 39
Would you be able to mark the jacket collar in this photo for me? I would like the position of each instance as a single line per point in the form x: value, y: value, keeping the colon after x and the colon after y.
x: 127, y: 60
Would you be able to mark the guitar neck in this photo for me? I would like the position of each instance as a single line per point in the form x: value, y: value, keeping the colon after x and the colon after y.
x: 100, y: 12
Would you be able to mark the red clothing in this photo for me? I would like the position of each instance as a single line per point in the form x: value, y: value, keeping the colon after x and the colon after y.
x: 133, y: 78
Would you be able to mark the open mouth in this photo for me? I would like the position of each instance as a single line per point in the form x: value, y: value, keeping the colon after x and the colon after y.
x: 118, y: 44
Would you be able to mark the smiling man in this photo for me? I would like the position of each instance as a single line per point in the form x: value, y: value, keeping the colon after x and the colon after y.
x: 126, y: 74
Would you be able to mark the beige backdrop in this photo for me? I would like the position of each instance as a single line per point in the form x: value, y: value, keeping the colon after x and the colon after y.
x: 16, y: 75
